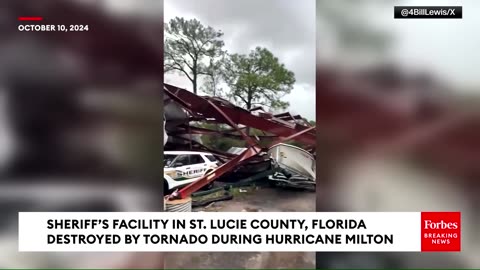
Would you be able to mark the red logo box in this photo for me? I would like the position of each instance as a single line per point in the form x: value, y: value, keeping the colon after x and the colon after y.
x: 441, y: 231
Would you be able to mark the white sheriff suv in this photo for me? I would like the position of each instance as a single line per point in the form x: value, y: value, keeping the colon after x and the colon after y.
x: 184, y: 167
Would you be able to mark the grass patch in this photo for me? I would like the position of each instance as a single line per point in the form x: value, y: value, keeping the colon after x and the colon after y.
x: 209, y: 196
x: 236, y: 192
x: 243, y: 191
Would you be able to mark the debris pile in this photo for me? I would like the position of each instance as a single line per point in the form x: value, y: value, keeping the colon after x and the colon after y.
x: 278, y: 161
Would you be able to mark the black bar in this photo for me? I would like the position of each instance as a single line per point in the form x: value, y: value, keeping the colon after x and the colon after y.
x: 428, y: 12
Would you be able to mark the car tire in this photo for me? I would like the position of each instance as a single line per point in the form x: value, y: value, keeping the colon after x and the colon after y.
x: 210, y: 185
x: 166, y: 190
x: 272, y: 183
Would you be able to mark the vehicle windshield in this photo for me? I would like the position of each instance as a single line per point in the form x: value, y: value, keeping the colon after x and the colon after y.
x: 168, y: 159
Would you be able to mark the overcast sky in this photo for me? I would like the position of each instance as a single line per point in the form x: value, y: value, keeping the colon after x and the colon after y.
x: 449, y: 48
x: 285, y: 27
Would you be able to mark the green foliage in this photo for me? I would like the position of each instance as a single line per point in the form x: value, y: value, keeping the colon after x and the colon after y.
x: 211, y: 84
x: 258, y: 79
x: 218, y: 141
x: 189, y: 47
x: 297, y: 144
x: 223, y: 143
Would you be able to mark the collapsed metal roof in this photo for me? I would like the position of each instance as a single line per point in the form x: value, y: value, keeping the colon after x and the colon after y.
x: 183, y: 107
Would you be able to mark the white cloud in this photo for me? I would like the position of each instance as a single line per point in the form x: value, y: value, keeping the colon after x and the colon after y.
x: 286, y: 28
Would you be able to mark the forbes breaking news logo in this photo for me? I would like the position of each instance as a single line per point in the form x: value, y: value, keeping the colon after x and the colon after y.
x: 441, y: 231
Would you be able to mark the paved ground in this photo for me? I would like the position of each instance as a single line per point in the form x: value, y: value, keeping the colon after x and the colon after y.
x: 265, y: 200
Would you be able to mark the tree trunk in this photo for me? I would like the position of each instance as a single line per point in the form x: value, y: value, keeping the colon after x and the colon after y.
x: 249, y: 106
x: 214, y: 86
x: 194, y: 77
x: 194, y: 83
